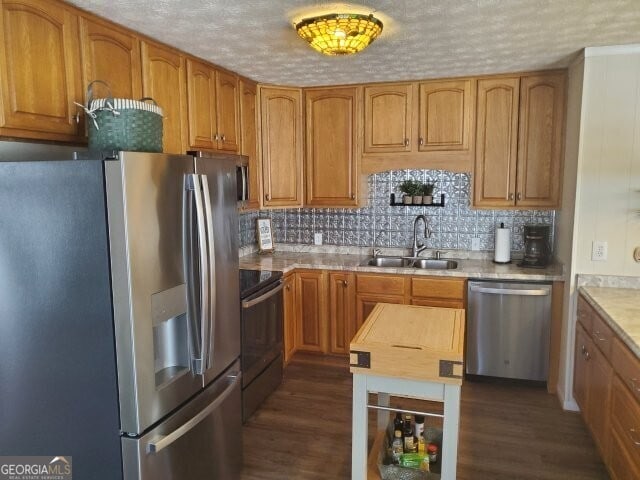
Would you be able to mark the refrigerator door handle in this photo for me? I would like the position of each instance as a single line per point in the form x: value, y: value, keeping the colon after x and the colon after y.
x: 207, y: 341
x: 161, y: 442
x: 200, y: 363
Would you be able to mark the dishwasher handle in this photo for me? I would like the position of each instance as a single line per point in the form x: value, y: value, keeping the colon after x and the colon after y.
x: 531, y: 292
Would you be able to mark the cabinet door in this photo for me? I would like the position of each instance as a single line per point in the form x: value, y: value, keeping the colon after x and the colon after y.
x: 331, y: 160
x: 388, y: 118
x: 164, y: 80
x: 228, y: 119
x: 580, y: 381
x: 496, y: 142
x: 311, y: 318
x: 624, y: 452
x: 445, y: 116
x: 542, y: 104
x: 40, y: 71
x: 342, y: 311
x: 113, y: 56
x: 281, y: 142
x: 201, y: 94
x: 249, y: 139
x: 599, y: 387
x: 366, y: 302
x: 289, y: 300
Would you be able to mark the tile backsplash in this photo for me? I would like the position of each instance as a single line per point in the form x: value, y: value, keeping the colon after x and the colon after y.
x: 381, y: 225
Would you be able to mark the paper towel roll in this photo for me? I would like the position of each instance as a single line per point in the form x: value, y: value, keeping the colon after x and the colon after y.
x: 502, y: 252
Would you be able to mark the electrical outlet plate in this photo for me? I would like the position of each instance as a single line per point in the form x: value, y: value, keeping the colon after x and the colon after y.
x: 475, y: 243
x: 599, y: 251
x: 317, y: 238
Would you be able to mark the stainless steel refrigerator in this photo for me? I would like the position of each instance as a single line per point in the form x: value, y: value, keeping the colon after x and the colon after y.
x: 119, y: 313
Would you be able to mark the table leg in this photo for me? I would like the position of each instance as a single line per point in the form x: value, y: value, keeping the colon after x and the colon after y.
x: 383, y: 416
x: 450, y: 431
x: 359, y: 428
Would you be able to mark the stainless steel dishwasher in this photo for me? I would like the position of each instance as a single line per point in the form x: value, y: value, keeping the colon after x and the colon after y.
x: 508, y: 329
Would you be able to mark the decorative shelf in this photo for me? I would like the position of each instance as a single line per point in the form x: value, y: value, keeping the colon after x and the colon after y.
x: 393, y: 202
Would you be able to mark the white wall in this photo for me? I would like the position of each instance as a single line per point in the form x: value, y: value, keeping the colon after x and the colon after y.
x: 601, y: 179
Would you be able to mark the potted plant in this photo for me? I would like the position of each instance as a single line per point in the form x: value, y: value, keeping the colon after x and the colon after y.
x: 427, y: 193
x: 412, y: 190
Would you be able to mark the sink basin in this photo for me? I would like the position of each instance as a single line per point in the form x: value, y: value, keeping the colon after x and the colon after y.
x: 393, y: 262
x: 433, y: 264
x: 411, y: 262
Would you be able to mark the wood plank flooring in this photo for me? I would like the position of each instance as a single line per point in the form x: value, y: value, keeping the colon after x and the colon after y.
x: 507, y: 431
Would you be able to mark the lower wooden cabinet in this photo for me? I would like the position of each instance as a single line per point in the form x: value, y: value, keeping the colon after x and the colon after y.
x: 311, y: 313
x: 289, y: 301
x: 342, y: 311
x: 624, y: 453
x: 438, y: 292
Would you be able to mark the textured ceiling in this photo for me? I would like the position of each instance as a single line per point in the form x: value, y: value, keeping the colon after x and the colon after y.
x: 421, y: 38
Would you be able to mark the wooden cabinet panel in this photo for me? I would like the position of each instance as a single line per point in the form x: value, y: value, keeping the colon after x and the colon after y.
x: 311, y: 318
x: 625, y: 423
x: 201, y: 95
x: 435, y: 302
x: 496, y: 142
x: 342, y: 311
x: 381, y: 284
x: 623, y: 463
x: 40, y: 71
x: 249, y: 139
x: 228, y: 116
x: 164, y: 79
x: 445, y: 116
x: 584, y: 314
x: 541, y: 142
x: 289, y: 301
x: 627, y: 366
x: 600, y: 377
x: 580, y: 381
x: 113, y: 56
x: 366, y: 302
x: 443, y: 288
x: 331, y: 159
x: 388, y: 118
x: 281, y: 146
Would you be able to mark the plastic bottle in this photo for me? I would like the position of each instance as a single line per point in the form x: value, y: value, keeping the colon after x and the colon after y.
x: 409, y: 446
x: 397, y: 447
x: 419, y: 433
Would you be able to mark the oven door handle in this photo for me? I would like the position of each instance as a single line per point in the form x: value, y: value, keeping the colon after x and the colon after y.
x: 269, y: 294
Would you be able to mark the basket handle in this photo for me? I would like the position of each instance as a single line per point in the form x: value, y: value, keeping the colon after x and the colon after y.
x: 109, y: 98
x: 145, y: 99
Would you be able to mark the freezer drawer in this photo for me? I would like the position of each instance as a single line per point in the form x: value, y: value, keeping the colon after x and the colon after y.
x: 202, y: 440
x: 508, y: 329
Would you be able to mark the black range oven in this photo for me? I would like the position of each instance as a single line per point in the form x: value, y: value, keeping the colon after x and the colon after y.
x: 262, y: 336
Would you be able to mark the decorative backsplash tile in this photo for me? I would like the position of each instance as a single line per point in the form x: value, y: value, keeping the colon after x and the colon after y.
x: 381, y: 225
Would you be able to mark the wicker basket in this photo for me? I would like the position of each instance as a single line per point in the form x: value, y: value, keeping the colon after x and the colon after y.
x: 123, y: 124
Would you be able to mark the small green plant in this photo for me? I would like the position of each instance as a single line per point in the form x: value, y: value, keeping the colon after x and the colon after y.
x: 411, y: 187
x: 427, y: 189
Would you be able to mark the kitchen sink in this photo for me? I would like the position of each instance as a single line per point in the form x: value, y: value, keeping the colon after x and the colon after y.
x: 411, y: 262
x: 435, y: 264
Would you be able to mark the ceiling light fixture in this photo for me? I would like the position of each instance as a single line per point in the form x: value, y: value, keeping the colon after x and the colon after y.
x: 339, y: 33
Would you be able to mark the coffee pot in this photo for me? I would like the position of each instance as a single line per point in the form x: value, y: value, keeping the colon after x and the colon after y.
x: 537, y: 247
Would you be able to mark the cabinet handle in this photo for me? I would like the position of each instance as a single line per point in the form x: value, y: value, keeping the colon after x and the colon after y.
x: 421, y: 141
x: 288, y: 287
x: 224, y: 137
x: 511, y: 196
x: 216, y: 137
x: 267, y: 197
x: 596, y: 336
x: 406, y: 142
x: 345, y: 283
x: 587, y: 356
x: 76, y: 117
x: 519, y: 196
x: 353, y: 196
x: 633, y: 386
x: 632, y: 436
x: 583, y: 349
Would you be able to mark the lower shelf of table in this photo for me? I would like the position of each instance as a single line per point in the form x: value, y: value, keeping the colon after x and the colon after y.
x: 373, y: 472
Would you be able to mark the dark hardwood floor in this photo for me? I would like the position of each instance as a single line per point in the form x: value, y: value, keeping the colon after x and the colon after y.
x: 507, y: 431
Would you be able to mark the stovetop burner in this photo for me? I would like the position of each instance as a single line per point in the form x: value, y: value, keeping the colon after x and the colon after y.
x: 253, y: 280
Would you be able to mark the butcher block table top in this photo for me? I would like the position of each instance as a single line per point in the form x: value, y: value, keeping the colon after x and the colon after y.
x: 411, y: 342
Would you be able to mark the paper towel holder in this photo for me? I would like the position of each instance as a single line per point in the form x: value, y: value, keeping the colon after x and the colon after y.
x: 508, y: 246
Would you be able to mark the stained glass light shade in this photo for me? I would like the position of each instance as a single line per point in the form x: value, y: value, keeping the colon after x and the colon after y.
x: 340, y: 33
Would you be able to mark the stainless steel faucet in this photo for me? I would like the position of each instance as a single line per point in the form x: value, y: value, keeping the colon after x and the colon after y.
x: 418, y: 247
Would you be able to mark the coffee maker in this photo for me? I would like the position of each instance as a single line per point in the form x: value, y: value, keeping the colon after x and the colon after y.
x: 537, y: 246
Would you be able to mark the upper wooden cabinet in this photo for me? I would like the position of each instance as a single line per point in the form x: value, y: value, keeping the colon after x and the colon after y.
x: 519, y: 139
x: 331, y: 148
x: 164, y: 79
x: 281, y: 146
x: 113, y: 56
x: 249, y: 139
x: 388, y: 118
x: 425, y: 125
x: 40, y: 71
x: 213, y: 108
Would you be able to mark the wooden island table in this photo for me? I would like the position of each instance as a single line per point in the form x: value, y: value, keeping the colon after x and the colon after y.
x: 407, y: 351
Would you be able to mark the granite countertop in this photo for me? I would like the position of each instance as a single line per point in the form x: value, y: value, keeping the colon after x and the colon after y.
x: 620, y: 308
x: 467, y: 268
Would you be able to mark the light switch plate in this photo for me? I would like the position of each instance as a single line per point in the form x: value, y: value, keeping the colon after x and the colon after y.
x: 475, y: 243
x: 317, y: 238
x: 598, y: 251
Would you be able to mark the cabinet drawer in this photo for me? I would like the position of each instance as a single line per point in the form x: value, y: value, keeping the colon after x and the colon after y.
x: 584, y: 313
x: 381, y: 284
x: 601, y: 334
x: 434, y: 302
x: 627, y: 366
x: 625, y: 420
x: 437, y: 288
